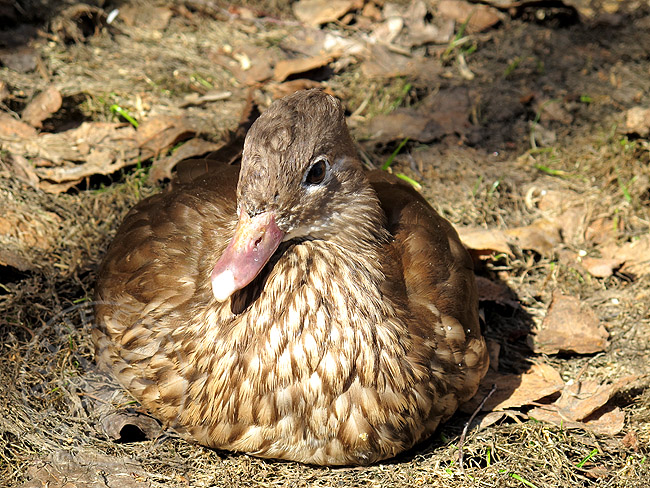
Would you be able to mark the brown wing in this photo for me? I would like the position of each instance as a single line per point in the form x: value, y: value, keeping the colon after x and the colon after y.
x: 438, y: 275
x: 157, y: 249
x: 159, y: 266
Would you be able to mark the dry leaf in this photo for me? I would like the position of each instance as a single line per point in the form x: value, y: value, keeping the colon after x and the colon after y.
x: 552, y: 110
x: 317, y: 12
x: 158, y: 134
x: 637, y: 121
x: 516, y: 390
x: 555, y: 200
x: 101, y: 148
x: 52, y: 187
x: 490, y: 418
x: 249, y: 64
x: 388, y: 30
x: 484, y: 242
x: 209, y: 97
x: 417, y: 31
x: 42, y: 106
x: 404, y: 123
x: 442, y: 113
x: 63, y: 159
x: 608, y: 423
x: 569, y: 326
x: 481, y: 17
x: 156, y: 18
x: 381, y: 62
x: 281, y: 90
x: 86, y: 468
x: 572, y: 224
x: 597, y: 267
x: 601, y: 268
x: 21, y: 169
x: 287, y: 67
x: 130, y: 427
x: 631, y: 441
x: 74, y: 144
x: 601, y: 231
x: 582, y: 398
x: 162, y: 168
x: 541, y: 236
x: 497, y: 292
x: 22, y: 59
x: 635, y: 254
x: 15, y: 260
x: 597, y: 472
x: 310, y: 42
x: 582, y: 405
x: 566, y: 208
x: 11, y: 128
x: 371, y: 11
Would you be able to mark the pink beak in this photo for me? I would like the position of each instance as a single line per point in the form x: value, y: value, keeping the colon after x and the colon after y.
x: 254, y: 242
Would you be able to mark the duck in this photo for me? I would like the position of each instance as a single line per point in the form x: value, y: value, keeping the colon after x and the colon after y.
x: 295, y: 306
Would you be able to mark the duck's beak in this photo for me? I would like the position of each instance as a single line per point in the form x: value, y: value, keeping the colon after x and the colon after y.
x: 255, y: 240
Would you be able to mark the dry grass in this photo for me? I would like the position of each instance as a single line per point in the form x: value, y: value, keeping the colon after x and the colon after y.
x: 54, y: 398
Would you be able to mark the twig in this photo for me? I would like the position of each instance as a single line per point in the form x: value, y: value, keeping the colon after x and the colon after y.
x: 469, y: 422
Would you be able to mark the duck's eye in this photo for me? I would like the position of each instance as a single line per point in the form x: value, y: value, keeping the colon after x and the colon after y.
x: 316, y: 174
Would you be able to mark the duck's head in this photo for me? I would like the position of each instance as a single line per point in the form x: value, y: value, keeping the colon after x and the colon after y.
x: 299, y: 175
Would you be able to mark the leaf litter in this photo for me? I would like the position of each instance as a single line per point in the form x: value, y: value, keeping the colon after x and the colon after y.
x: 569, y: 327
x: 546, y: 223
x: 42, y: 106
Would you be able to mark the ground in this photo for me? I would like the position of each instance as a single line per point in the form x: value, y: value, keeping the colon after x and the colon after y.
x: 523, y: 120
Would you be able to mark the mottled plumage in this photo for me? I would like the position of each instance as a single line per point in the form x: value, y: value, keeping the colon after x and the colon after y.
x: 352, y: 343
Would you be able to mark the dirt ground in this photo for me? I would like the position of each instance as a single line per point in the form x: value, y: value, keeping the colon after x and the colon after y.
x: 523, y: 120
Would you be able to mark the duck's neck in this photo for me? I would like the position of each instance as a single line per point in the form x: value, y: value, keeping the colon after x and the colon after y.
x: 318, y: 285
x: 342, y: 275
x: 361, y: 225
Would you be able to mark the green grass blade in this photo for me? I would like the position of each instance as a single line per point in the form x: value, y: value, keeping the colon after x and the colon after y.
x: 522, y: 480
x: 117, y: 110
x: 410, y: 181
x: 550, y: 171
x: 589, y: 456
x: 390, y: 159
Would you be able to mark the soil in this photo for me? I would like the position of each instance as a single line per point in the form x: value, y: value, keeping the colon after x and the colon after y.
x: 543, y: 112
